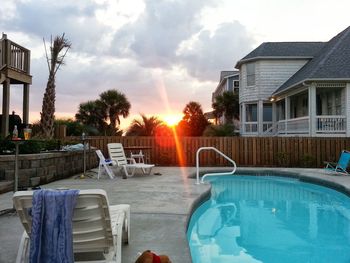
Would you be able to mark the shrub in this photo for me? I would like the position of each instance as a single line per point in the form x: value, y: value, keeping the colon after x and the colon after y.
x: 282, y: 159
x: 307, y: 160
x: 28, y: 147
x: 220, y: 130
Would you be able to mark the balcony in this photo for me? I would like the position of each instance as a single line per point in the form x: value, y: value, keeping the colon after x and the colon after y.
x: 14, y: 62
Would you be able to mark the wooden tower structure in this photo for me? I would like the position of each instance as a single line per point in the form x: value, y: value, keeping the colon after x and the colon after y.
x: 14, y: 69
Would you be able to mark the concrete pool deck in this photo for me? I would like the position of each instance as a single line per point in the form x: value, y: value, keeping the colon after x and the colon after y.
x: 160, y: 207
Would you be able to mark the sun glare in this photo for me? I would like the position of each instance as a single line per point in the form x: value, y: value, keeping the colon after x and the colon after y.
x: 171, y: 120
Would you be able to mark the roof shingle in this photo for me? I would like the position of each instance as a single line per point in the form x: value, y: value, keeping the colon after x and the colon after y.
x: 331, y: 62
x: 283, y: 50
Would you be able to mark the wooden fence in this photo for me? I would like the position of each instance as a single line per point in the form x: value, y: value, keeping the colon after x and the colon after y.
x: 245, y: 151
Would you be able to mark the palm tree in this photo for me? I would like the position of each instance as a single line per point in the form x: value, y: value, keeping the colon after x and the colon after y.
x: 91, y: 114
x: 193, y: 122
x: 145, y: 126
x: 114, y: 104
x: 47, y: 116
x: 226, y: 104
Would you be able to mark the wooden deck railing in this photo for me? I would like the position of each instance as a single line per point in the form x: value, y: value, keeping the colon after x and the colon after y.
x: 245, y: 151
x: 14, y: 56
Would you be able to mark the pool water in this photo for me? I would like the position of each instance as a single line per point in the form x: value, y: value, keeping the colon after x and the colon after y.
x: 270, y: 219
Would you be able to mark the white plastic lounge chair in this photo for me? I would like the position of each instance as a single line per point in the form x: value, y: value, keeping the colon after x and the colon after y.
x: 98, y: 228
x: 342, y: 165
x: 104, y: 165
x: 117, y: 154
x: 139, y: 157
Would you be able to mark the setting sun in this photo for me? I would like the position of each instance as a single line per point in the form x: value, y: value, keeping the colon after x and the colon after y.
x: 171, y: 120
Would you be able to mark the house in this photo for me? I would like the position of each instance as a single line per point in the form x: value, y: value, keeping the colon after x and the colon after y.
x: 229, y: 81
x: 296, y: 88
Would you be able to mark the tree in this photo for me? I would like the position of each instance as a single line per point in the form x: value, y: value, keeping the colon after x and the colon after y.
x: 144, y: 126
x: 91, y: 114
x: 226, y: 105
x: 47, y: 116
x: 193, y: 122
x: 114, y: 104
x: 74, y: 128
x: 102, y: 115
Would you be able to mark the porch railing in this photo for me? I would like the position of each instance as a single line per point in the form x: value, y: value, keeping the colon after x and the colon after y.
x: 251, y: 127
x: 14, y: 56
x: 331, y: 124
x: 293, y: 126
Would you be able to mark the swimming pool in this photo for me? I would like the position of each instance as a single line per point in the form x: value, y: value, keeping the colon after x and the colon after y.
x: 272, y: 220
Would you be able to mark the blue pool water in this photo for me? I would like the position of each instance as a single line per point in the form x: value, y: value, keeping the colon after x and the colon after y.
x: 272, y: 220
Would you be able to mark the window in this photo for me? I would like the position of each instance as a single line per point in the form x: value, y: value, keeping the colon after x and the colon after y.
x: 251, y: 112
x: 267, y: 112
x: 250, y: 74
x: 236, y: 83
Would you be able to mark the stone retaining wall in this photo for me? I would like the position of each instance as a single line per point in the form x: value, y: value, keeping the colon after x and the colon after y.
x: 43, y: 168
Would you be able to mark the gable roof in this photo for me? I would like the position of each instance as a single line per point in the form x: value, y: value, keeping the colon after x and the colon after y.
x: 224, y: 74
x: 331, y: 62
x: 276, y: 50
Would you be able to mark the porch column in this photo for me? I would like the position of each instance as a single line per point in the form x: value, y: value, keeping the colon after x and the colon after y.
x: 347, y: 111
x: 260, y: 117
x: 286, y: 113
x: 312, y: 109
x: 5, y: 108
x: 243, y: 120
x: 25, y: 111
x: 274, y: 117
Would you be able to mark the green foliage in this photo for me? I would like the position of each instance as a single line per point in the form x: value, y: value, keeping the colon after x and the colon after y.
x: 282, y: 159
x: 220, y: 130
x: 226, y: 105
x: 307, y: 160
x: 102, y: 116
x: 145, y: 126
x: 74, y: 128
x: 28, y: 147
x: 193, y: 122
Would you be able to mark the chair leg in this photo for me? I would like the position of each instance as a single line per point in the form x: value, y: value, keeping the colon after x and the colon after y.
x: 108, y: 171
x: 125, y: 172
x: 23, y: 250
x: 99, y: 171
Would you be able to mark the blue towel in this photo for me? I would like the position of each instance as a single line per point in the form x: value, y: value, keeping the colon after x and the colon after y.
x: 51, y: 239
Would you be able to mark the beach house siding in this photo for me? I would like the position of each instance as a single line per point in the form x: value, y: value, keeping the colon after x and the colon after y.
x: 269, y: 75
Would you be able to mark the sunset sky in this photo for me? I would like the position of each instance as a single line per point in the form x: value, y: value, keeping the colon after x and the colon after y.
x: 160, y: 54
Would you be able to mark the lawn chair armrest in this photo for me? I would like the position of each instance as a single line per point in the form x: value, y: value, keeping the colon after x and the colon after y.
x: 330, y: 165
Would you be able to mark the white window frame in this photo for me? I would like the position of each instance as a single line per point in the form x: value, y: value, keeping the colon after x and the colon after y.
x: 250, y: 67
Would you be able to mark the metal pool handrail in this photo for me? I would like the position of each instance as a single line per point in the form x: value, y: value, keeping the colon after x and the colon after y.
x: 210, y: 174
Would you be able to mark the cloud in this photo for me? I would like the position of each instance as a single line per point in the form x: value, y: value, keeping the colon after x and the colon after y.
x: 155, y: 36
x: 211, y: 52
x: 160, y: 56
x: 45, y: 18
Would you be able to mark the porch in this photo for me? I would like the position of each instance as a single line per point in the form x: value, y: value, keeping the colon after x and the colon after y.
x: 324, y: 125
x: 318, y: 109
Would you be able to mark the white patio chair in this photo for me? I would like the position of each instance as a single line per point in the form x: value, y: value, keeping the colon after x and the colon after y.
x: 117, y: 154
x: 139, y: 157
x: 104, y: 165
x: 98, y: 228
